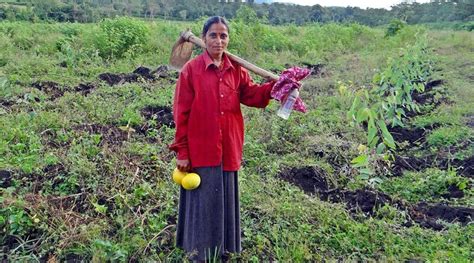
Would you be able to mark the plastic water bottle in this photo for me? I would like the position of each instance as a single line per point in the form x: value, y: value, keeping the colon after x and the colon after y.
x: 285, y: 109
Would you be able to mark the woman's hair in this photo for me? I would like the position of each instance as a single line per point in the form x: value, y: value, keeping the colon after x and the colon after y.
x: 214, y: 20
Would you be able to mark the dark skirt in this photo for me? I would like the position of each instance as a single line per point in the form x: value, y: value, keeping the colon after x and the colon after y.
x: 209, y: 217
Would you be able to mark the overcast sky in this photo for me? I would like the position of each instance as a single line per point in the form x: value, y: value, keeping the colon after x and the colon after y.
x: 344, y: 3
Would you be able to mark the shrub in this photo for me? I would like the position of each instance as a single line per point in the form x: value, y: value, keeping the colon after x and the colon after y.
x: 393, y: 28
x: 120, y: 36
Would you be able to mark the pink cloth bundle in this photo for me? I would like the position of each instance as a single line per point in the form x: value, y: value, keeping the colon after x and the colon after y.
x: 287, y: 82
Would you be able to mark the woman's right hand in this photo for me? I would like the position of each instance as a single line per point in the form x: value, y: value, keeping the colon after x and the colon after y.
x: 183, y: 165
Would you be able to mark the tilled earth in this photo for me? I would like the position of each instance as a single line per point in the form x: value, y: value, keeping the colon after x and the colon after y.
x: 312, y: 180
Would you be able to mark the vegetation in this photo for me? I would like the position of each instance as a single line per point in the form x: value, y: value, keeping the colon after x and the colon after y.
x: 438, y: 12
x: 85, y: 170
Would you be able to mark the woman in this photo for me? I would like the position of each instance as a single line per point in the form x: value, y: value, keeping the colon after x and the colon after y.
x: 209, y: 139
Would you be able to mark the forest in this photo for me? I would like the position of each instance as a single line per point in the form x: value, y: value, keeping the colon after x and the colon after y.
x: 439, y: 11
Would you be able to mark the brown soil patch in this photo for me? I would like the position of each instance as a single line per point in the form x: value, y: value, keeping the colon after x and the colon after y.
x: 454, y: 192
x: 403, y: 163
x: 53, y: 89
x: 427, y: 215
x: 5, y: 178
x: 6, y: 103
x: 411, y: 135
x: 363, y: 200
x: 312, y: 180
x: 85, y: 88
x: 140, y: 74
x: 465, y: 167
x: 470, y: 121
x: 162, y: 114
x: 317, y: 70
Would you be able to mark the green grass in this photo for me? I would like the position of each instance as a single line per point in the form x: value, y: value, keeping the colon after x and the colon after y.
x: 115, y: 200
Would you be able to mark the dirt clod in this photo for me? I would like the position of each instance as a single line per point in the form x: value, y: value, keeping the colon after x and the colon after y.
x: 310, y: 179
x: 162, y: 114
x: 316, y: 69
x: 454, y: 192
x: 427, y: 215
x: 466, y: 167
x: 470, y: 121
x: 434, y: 83
x: 364, y: 200
x: 53, y: 89
x: 139, y: 74
x: 111, y: 78
x: 6, y: 103
x: 5, y: 178
x: 403, y: 163
x: 85, y: 88
x: 413, y: 135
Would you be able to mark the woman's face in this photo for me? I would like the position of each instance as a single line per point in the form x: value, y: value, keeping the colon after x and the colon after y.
x: 216, y: 40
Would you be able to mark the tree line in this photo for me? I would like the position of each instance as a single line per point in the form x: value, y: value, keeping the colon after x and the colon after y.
x: 275, y: 13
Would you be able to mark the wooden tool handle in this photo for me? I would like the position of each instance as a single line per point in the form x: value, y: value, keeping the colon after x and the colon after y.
x: 187, y: 35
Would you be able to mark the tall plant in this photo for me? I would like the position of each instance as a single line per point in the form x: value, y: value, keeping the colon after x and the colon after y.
x: 387, y: 104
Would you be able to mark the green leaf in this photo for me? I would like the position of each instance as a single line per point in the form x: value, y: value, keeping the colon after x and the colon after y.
x: 102, y: 209
x: 371, y: 131
x: 387, y: 136
x: 351, y: 112
x: 462, y: 185
x: 362, y: 115
x: 380, y: 148
x: 374, y: 142
x: 360, y: 161
x: 366, y: 171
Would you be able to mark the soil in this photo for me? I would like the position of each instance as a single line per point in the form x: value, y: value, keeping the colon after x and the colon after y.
x: 140, y: 74
x: 163, y: 71
x: 434, y: 83
x: 427, y: 215
x: 465, y: 167
x: 118, y: 79
x: 6, y: 103
x: 316, y: 69
x: 411, y: 135
x: 409, y: 163
x: 454, y: 192
x: 403, y: 163
x: 5, y: 178
x: 363, y: 200
x: 163, y: 114
x: 469, y: 121
x: 53, y: 89
x: 312, y: 181
x: 85, y: 88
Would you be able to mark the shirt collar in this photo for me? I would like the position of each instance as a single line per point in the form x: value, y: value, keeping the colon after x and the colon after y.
x: 208, y: 61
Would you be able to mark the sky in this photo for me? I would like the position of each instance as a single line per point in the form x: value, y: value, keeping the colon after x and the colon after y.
x: 359, y: 3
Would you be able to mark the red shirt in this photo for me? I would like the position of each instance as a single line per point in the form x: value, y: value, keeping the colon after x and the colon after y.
x: 206, y: 110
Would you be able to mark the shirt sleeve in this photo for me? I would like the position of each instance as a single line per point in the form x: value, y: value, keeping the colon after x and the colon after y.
x: 183, y: 98
x: 254, y: 95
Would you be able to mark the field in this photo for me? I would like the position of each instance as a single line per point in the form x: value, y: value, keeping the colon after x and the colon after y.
x: 380, y: 168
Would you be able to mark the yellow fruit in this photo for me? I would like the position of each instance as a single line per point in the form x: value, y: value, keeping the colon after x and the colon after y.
x: 191, y: 181
x: 178, y: 176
